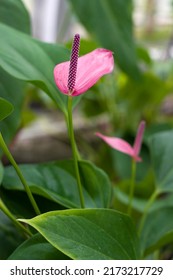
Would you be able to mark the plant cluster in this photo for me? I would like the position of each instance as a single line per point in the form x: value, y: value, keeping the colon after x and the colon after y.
x: 73, y: 209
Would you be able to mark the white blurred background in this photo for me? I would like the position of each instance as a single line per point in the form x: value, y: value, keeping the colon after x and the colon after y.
x: 52, y: 20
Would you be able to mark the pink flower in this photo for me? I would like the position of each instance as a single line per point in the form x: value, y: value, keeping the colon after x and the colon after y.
x: 123, y: 146
x: 76, y: 76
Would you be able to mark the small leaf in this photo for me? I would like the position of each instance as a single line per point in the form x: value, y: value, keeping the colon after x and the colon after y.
x: 157, y: 230
x: 89, y: 234
x: 37, y: 248
x: 161, y: 147
x: 56, y: 181
x: 6, y: 108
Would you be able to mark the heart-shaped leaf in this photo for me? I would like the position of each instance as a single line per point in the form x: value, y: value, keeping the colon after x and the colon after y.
x: 37, y: 248
x: 56, y: 181
x: 6, y: 108
x: 92, y: 234
x: 161, y: 147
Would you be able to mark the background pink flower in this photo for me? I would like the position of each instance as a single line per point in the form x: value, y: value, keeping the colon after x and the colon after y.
x: 123, y: 146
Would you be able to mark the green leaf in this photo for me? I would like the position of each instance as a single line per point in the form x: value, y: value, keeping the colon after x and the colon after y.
x: 37, y: 248
x: 111, y: 24
x: 93, y: 234
x: 12, y: 90
x: 14, y: 14
x: 6, y: 108
x: 18, y: 203
x: 56, y: 181
x: 157, y: 230
x: 9, y: 237
x: 25, y: 59
x: 161, y: 147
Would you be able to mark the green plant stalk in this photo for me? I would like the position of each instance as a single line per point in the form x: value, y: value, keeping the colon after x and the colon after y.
x: 132, y: 187
x: 68, y: 128
x: 19, y: 173
x: 74, y: 151
x: 13, y: 219
x: 148, y: 205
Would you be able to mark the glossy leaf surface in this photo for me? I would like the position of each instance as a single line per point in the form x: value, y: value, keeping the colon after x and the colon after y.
x: 56, y: 181
x: 97, y: 234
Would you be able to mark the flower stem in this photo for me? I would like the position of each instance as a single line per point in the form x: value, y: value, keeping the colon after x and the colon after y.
x: 75, y: 155
x: 132, y: 187
x: 68, y: 128
x: 19, y: 173
x: 13, y: 219
x: 148, y: 205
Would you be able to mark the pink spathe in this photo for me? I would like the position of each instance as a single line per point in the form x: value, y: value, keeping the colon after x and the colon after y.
x: 91, y: 67
x: 123, y: 146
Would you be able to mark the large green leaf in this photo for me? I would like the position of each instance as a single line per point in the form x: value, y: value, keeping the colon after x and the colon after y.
x: 25, y: 59
x: 111, y: 24
x: 56, y: 181
x: 97, y: 234
x: 161, y: 147
x: 14, y: 14
x: 37, y: 248
x: 9, y: 237
x: 6, y: 108
x: 157, y: 230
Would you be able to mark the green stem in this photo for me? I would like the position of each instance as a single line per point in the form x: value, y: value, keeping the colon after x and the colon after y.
x: 13, y: 219
x: 19, y: 173
x: 74, y: 151
x: 132, y: 187
x: 68, y: 127
x: 148, y: 205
